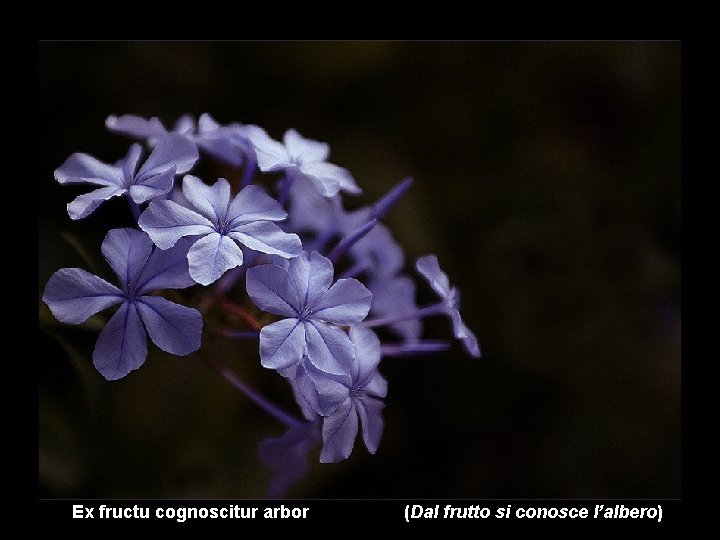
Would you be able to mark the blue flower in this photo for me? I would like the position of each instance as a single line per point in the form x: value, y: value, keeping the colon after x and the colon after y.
x: 309, y: 210
x: 314, y: 308
x: 301, y: 158
x: 430, y: 269
x: 396, y: 296
x: 287, y: 456
x: 377, y: 252
x: 228, y: 144
x: 173, y: 155
x: 73, y: 295
x: 221, y: 224
x: 358, y: 397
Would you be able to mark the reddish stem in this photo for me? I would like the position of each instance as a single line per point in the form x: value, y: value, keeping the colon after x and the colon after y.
x: 240, y: 311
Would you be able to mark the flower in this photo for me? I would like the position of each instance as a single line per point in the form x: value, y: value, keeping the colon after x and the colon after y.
x: 73, y: 295
x: 429, y: 268
x: 314, y: 308
x: 395, y: 296
x: 286, y: 456
x: 173, y: 155
x: 309, y: 210
x: 221, y: 224
x: 377, y: 252
x: 301, y: 157
x: 228, y: 144
x: 362, y: 392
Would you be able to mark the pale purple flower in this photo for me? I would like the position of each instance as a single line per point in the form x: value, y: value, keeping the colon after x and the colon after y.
x: 226, y: 143
x: 301, y: 158
x: 73, y: 295
x: 394, y: 296
x: 287, y: 456
x: 173, y: 155
x: 309, y: 210
x: 314, y: 309
x: 316, y: 392
x: 430, y: 269
x: 362, y: 393
x: 221, y: 225
x: 377, y: 252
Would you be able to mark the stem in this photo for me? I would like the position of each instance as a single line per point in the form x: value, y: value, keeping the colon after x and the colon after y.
x: 383, y: 206
x: 320, y: 240
x: 434, y: 309
x: 134, y: 207
x: 261, y: 401
x: 240, y: 311
x: 413, y: 349
x: 238, y: 334
x: 353, y: 271
x: 345, y: 244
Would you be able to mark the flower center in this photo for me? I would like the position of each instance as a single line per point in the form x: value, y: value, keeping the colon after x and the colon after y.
x: 305, y: 313
x: 131, y: 294
x: 223, y: 227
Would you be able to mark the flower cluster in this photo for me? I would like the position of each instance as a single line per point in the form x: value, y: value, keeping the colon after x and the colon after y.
x: 311, y: 280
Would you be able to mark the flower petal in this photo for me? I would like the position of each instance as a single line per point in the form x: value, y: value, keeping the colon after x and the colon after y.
x: 166, y: 222
x: 430, y: 269
x: 380, y: 252
x: 129, y: 163
x: 172, y: 150
x: 329, y: 178
x: 331, y: 389
x: 270, y: 289
x: 253, y: 204
x: 212, y: 256
x: 302, y: 149
x: 287, y: 456
x: 377, y: 386
x: 271, y: 155
x: 126, y: 251
x: 282, y: 344
x: 207, y: 124
x: 73, y: 295
x: 311, y: 276
x: 323, y: 394
x: 370, y: 411
x: 347, y: 302
x: 211, y: 201
x: 152, y: 186
x: 185, y: 125
x: 367, y: 354
x: 224, y: 143
x: 464, y: 334
x: 339, y: 432
x: 329, y: 348
x: 267, y: 237
x: 166, y: 269
x: 310, y: 211
x: 85, y: 204
x: 135, y: 126
x: 121, y: 346
x: 395, y: 296
x: 174, y: 328
x: 84, y: 168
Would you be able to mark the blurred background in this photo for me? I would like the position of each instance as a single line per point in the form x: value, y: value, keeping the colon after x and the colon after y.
x: 548, y: 184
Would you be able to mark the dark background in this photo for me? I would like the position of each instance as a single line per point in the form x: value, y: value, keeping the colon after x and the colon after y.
x: 548, y: 184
